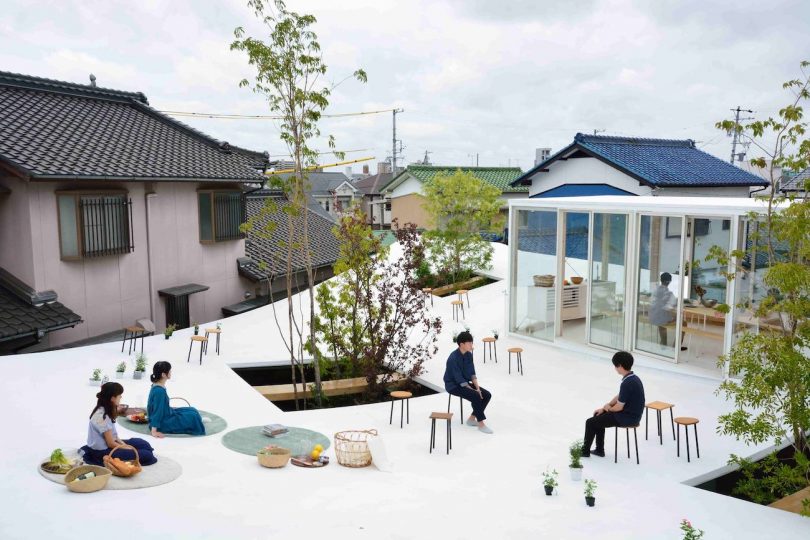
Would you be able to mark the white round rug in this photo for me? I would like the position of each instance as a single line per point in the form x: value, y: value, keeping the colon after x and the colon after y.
x: 164, y: 471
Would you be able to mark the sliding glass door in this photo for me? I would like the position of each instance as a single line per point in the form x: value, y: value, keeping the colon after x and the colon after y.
x: 608, y: 277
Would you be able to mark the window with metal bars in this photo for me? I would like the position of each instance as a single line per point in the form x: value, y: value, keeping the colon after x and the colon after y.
x: 94, y: 225
x: 222, y: 213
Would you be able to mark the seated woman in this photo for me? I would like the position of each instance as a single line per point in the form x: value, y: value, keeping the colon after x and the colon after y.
x: 164, y: 418
x: 102, y: 436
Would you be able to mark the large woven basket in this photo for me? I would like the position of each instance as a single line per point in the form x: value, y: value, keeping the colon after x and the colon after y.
x: 351, y: 447
x: 91, y: 484
x: 543, y: 280
x: 110, y: 464
x: 274, y: 458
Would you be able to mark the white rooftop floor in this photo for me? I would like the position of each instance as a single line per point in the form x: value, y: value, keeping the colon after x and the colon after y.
x: 488, y: 487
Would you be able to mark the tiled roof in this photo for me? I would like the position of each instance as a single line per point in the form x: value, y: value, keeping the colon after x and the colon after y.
x: 796, y: 182
x: 54, y: 129
x: 370, y: 185
x: 322, y: 183
x: 20, y: 318
x: 500, y: 177
x: 656, y: 162
x: 267, y: 247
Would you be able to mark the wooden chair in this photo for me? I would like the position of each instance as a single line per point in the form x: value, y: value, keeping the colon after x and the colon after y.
x: 491, y: 343
x: 686, y: 421
x: 627, y: 433
x: 441, y: 416
x: 203, y: 346
x: 402, y: 396
x: 518, y: 352
x: 658, y: 407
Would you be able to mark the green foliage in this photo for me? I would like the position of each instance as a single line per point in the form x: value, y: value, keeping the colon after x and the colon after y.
x: 140, y: 362
x: 689, y: 531
x: 169, y: 330
x: 550, y: 478
x: 97, y: 374
x: 461, y: 207
x: 590, y: 487
x: 58, y: 457
x: 771, y: 479
x: 122, y: 367
x: 575, y: 450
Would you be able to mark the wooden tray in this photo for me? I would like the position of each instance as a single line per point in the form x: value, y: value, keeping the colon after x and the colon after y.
x: 307, y: 462
x: 61, y: 469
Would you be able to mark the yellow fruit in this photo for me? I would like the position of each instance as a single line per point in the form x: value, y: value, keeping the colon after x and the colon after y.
x: 315, y: 454
x: 318, y: 447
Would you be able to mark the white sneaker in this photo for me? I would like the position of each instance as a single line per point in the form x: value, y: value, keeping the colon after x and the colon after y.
x: 472, y: 422
x: 485, y: 429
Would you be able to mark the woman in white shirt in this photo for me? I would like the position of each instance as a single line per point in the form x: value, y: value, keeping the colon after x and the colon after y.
x: 102, y: 437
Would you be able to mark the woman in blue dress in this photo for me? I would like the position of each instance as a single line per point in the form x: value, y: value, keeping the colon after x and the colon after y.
x: 164, y: 418
x: 102, y: 437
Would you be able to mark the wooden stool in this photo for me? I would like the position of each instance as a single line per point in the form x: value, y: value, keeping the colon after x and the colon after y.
x: 428, y: 291
x: 465, y: 292
x: 686, y: 421
x: 460, y: 407
x: 456, y: 305
x: 441, y: 416
x: 137, y: 332
x: 216, y: 331
x: 518, y: 352
x: 203, y: 346
x: 401, y: 395
x: 493, y: 346
x: 616, y: 444
x: 658, y: 407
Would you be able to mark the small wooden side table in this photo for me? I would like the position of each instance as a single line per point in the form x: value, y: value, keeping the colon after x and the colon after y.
x: 658, y: 407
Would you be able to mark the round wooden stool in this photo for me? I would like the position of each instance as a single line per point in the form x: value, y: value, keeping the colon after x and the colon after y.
x: 464, y: 292
x: 203, y: 345
x: 401, y: 395
x: 441, y: 416
x: 658, y: 407
x: 428, y: 291
x: 458, y: 304
x: 216, y: 331
x: 490, y: 342
x: 686, y: 421
x: 627, y: 433
x: 518, y: 352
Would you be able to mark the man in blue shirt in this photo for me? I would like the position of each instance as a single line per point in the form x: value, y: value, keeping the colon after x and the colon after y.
x: 624, y: 409
x: 460, y: 380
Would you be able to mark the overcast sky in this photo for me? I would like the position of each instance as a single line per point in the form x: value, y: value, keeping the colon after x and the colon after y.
x: 497, y: 79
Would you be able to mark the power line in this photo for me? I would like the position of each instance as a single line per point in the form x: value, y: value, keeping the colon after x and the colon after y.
x: 224, y: 116
x: 330, y: 152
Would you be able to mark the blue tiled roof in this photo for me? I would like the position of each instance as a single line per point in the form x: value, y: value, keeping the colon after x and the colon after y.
x: 656, y: 162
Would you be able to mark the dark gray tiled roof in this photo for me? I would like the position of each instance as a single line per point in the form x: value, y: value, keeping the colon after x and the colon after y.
x: 372, y: 185
x: 268, y: 247
x: 322, y: 183
x: 54, y: 129
x: 19, y: 318
x: 797, y: 182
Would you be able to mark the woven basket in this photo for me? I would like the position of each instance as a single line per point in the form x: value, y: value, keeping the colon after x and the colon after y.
x: 110, y: 464
x: 273, y: 458
x: 543, y: 280
x: 184, y: 399
x: 91, y: 484
x: 351, y: 447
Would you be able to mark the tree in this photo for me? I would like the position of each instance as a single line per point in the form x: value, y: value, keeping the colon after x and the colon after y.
x: 461, y: 207
x: 372, y: 317
x: 289, y: 75
x: 772, y: 394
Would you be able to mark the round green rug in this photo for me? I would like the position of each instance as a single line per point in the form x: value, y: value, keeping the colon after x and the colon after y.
x: 216, y: 425
x: 250, y: 440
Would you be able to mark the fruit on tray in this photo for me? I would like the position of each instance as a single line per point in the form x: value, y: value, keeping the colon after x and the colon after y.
x: 139, y: 418
x: 315, y: 454
x: 124, y: 466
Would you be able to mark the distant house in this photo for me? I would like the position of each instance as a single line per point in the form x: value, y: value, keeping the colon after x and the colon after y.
x: 333, y: 191
x: 601, y: 165
x: 121, y: 210
x: 264, y: 267
x: 376, y: 205
x: 406, y: 194
x: 796, y: 185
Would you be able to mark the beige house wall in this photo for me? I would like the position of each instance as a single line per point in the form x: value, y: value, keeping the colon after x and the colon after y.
x: 111, y: 292
x: 408, y: 209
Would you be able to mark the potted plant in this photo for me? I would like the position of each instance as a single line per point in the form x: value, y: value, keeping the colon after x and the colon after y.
x: 495, y: 334
x: 167, y: 333
x: 140, y: 366
x: 219, y: 326
x: 576, y: 460
x: 95, y: 380
x: 590, y: 488
x: 196, y: 328
x: 120, y: 369
x: 689, y: 531
x: 549, y: 481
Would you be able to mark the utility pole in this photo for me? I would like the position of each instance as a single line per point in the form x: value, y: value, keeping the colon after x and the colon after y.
x: 735, y: 140
x: 394, y: 143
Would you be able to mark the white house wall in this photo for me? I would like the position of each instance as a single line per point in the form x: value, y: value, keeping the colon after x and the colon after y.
x: 409, y: 186
x: 584, y: 171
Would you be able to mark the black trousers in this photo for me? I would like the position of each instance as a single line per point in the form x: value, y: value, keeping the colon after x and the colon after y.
x: 595, y: 427
x: 478, y: 404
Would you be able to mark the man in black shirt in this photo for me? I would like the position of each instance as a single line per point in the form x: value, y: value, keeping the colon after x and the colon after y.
x: 624, y: 409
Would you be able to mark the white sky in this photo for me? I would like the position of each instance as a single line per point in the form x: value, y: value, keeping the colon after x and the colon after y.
x: 474, y: 76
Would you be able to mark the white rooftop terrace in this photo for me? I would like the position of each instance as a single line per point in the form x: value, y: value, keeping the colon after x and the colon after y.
x: 488, y: 487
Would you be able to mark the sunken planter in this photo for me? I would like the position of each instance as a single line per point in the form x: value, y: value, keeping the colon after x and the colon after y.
x: 590, y: 501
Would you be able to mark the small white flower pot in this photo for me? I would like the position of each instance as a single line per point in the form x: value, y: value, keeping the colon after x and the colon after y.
x: 94, y: 382
x: 576, y: 474
x: 137, y: 374
x: 119, y: 374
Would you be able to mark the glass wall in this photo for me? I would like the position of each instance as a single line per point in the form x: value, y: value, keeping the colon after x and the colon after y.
x: 534, y: 280
x: 608, y: 271
x: 660, y: 285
